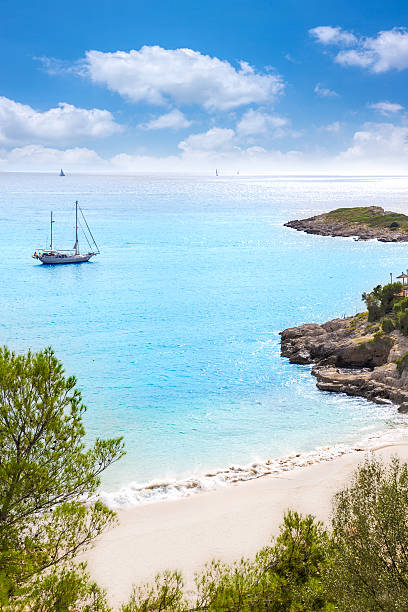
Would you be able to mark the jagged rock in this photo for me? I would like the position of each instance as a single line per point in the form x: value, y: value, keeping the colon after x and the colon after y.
x: 350, y: 357
x: 403, y: 408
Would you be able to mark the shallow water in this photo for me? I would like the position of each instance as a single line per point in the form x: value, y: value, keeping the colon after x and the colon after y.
x: 172, y: 331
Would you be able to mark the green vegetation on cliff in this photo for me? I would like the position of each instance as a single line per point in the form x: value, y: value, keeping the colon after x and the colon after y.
x: 386, y: 305
x: 373, y: 216
x: 383, y: 301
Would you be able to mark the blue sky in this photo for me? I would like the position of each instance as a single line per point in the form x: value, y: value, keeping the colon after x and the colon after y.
x: 261, y: 86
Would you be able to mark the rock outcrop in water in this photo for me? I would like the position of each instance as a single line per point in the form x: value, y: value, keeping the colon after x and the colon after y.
x: 366, y: 223
x: 352, y: 356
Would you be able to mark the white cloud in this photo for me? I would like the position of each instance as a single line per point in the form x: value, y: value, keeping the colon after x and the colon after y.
x: 175, y: 120
x: 353, y: 57
x: 325, y: 92
x: 55, y: 66
x: 379, y: 141
x: 20, y: 123
x: 257, y: 122
x: 386, y: 108
x: 334, y: 127
x: 216, y: 139
x: 291, y: 59
x: 386, y: 51
x: 181, y: 76
x: 46, y: 158
x: 219, y: 148
x: 328, y: 35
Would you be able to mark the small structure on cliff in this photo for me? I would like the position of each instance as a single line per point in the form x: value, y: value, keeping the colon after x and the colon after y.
x: 404, y: 280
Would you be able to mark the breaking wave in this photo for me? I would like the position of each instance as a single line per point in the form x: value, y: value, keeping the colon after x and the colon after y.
x: 135, y: 494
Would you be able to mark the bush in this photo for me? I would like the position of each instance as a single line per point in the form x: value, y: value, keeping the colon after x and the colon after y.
x: 401, y: 305
x: 402, y: 322
x: 402, y: 363
x: 68, y: 589
x: 283, y: 576
x: 380, y: 301
x: 370, y: 526
x: 373, y: 304
x: 387, y: 325
x: 166, y: 593
x: 388, y: 296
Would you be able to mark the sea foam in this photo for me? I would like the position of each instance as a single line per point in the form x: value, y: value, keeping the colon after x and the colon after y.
x: 136, y: 494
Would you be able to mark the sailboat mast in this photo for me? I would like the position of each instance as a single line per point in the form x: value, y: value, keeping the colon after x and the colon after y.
x: 51, y: 232
x: 76, y: 227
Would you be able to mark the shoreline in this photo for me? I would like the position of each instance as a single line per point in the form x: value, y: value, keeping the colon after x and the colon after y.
x: 227, y: 523
x: 135, y: 495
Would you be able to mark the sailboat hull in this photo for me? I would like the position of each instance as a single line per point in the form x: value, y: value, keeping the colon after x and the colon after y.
x: 62, y: 258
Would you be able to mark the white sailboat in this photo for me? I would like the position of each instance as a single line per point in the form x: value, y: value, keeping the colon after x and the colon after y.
x: 67, y: 256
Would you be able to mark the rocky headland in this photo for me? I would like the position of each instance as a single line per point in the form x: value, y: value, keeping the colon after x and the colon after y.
x: 365, y: 223
x: 353, y: 356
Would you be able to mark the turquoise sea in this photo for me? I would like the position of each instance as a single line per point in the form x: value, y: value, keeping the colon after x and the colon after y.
x: 172, y: 331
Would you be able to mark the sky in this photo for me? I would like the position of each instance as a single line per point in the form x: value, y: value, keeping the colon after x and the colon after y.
x: 255, y: 87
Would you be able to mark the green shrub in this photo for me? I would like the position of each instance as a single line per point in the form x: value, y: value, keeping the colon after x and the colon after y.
x: 402, y: 363
x: 67, y: 589
x: 402, y: 321
x: 284, y: 576
x: 166, y: 593
x: 401, y: 305
x: 378, y: 335
x: 388, y: 296
x: 373, y: 304
x: 387, y: 325
x: 370, y: 524
x: 380, y: 300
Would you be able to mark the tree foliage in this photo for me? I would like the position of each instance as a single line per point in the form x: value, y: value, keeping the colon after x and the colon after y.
x: 47, y: 474
x: 380, y: 301
x: 64, y: 589
x: 387, y: 325
x: 369, y: 568
x: 165, y: 594
x: 385, y: 300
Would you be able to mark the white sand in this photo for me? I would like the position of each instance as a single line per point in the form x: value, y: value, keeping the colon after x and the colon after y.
x: 227, y: 523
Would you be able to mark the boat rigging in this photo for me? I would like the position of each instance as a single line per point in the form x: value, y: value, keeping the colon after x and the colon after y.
x: 66, y: 256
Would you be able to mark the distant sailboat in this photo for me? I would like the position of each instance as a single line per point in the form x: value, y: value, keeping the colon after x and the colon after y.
x: 61, y: 172
x: 51, y: 256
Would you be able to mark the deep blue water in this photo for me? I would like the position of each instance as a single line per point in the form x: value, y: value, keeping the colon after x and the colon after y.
x: 172, y: 331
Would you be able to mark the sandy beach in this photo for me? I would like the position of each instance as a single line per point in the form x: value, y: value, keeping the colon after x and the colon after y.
x: 228, y: 523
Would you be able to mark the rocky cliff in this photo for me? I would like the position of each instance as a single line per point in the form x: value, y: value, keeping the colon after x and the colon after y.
x: 352, y: 356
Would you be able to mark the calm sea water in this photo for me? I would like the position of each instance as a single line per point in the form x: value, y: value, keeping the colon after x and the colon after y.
x: 172, y: 331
